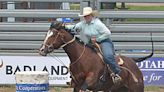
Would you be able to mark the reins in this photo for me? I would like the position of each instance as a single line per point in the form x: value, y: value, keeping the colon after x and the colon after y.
x: 74, y: 38
x: 68, y: 42
x: 79, y: 57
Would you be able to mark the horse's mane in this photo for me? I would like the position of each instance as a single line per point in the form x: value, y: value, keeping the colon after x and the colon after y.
x: 60, y: 25
x: 79, y: 40
x: 89, y: 45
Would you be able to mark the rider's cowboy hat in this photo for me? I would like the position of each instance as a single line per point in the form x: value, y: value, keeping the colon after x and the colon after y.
x: 88, y: 11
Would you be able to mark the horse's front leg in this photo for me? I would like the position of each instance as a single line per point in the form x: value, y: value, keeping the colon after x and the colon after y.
x: 76, y: 89
x: 81, y: 91
x: 89, y: 81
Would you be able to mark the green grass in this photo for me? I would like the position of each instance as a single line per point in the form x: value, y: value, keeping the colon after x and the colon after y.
x: 148, y: 8
x: 137, y: 8
x: 145, y: 8
x: 129, y: 7
x: 152, y: 88
x: 75, y: 7
x: 145, y: 20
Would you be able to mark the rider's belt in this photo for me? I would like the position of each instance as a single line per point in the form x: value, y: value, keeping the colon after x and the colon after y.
x: 105, y: 40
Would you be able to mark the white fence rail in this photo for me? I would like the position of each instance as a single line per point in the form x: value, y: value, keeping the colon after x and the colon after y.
x: 115, y: 28
x: 74, y: 14
x: 23, y: 38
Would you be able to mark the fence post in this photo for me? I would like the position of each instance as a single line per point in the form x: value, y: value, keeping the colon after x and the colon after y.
x: 10, y: 6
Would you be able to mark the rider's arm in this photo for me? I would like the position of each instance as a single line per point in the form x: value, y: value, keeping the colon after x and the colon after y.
x: 103, y: 30
x: 76, y: 27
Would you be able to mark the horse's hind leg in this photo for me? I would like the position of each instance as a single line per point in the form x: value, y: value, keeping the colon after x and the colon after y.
x: 137, y: 88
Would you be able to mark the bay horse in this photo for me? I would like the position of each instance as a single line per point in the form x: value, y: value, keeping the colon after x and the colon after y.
x: 86, y: 66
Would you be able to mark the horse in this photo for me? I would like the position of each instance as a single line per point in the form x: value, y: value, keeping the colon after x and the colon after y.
x: 87, y: 67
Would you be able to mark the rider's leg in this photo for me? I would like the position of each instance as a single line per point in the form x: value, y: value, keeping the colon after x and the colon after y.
x: 108, y: 53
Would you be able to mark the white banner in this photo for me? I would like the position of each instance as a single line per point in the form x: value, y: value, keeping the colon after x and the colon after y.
x: 56, y: 66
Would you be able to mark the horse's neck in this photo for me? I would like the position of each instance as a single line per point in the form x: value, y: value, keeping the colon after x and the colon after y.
x: 74, y: 50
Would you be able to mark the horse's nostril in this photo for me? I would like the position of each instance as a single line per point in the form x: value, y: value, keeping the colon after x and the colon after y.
x: 42, y: 50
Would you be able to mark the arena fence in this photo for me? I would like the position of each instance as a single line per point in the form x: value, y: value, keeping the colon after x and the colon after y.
x: 24, y: 38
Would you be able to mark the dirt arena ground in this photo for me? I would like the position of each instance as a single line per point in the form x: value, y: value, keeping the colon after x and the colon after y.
x: 60, y: 89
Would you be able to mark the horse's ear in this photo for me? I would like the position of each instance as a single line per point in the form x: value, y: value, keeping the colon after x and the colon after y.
x: 61, y: 25
x: 52, y: 25
x: 57, y: 25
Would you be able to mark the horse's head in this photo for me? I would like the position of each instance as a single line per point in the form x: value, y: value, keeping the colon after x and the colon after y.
x: 55, y: 38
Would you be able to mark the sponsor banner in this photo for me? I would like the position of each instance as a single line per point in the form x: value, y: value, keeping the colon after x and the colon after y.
x: 56, y: 66
x: 153, y: 71
x: 32, y: 87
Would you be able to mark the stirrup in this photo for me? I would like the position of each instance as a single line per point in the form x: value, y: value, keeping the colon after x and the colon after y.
x: 103, y: 78
x: 116, y: 78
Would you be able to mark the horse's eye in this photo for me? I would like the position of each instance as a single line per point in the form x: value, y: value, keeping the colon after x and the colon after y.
x: 50, y: 48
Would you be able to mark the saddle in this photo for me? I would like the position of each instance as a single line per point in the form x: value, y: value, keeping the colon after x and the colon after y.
x: 96, y: 47
x: 115, y: 77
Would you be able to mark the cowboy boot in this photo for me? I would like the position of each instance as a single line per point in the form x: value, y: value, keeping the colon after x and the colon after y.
x: 115, y: 77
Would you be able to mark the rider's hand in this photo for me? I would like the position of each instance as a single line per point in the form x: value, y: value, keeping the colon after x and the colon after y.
x: 93, y: 39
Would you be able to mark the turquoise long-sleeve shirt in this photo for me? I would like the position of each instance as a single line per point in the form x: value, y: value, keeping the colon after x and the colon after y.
x: 93, y: 29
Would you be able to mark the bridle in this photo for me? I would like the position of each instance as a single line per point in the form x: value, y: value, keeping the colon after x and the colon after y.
x: 66, y: 43
x: 62, y: 38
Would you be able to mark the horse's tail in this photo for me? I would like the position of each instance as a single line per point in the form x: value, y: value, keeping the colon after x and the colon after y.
x: 143, y: 58
x: 146, y: 57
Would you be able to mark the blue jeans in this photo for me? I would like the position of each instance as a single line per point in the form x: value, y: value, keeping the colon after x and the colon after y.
x: 108, y: 53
